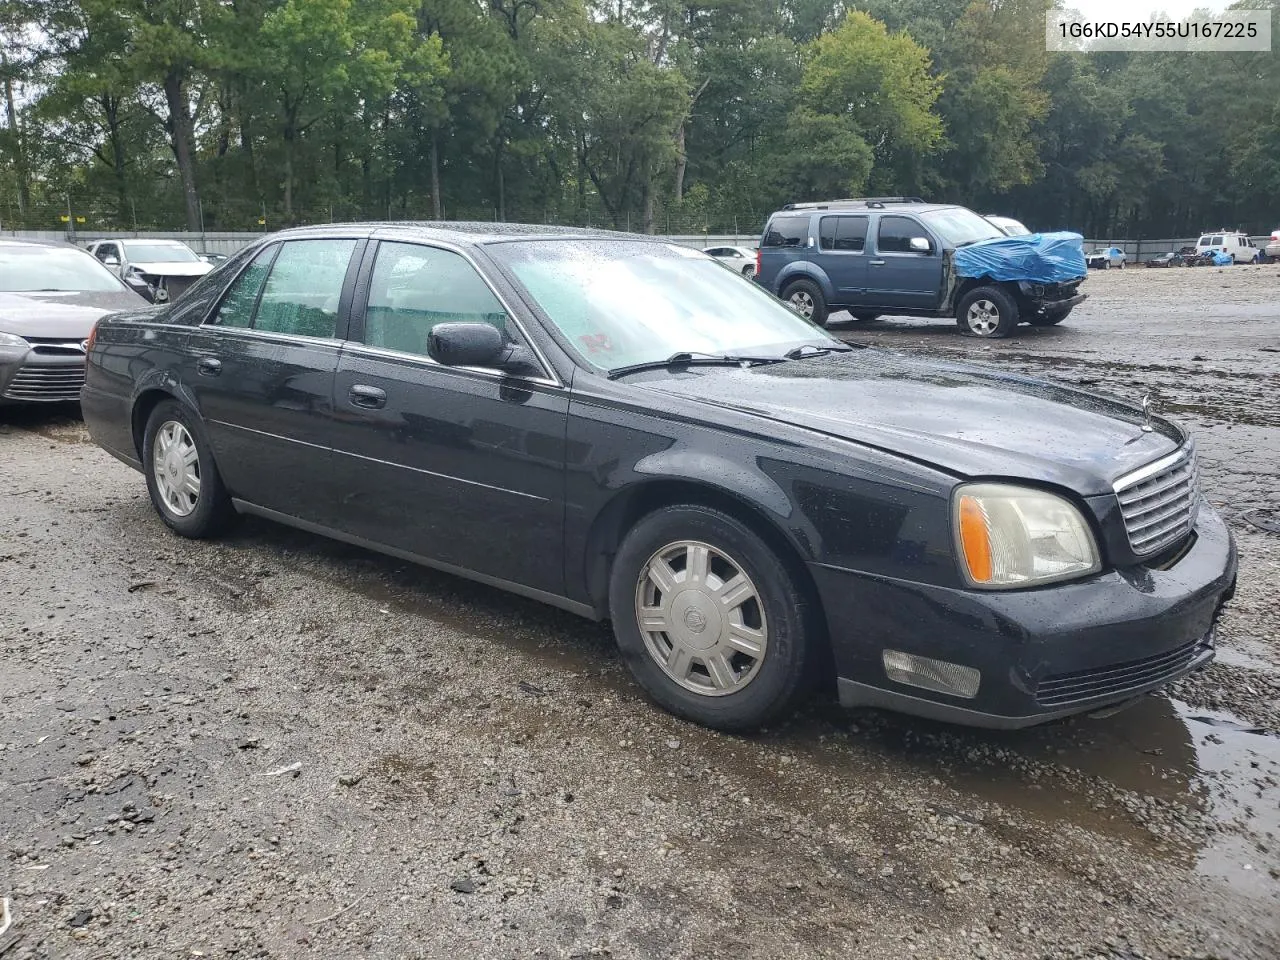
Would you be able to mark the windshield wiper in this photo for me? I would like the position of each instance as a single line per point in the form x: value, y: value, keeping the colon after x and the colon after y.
x: 685, y: 357
x: 814, y: 350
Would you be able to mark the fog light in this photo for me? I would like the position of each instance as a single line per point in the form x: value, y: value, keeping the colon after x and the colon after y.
x: 929, y: 674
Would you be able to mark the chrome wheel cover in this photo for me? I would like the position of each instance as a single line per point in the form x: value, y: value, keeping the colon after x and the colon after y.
x: 802, y: 303
x: 983, y: 317
x: 175, y: 463
x: 701, y: 617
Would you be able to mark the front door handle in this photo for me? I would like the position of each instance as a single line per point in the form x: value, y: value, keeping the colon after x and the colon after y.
x: 876, y: 263
x: 208, y: 366
x: 371, y: 398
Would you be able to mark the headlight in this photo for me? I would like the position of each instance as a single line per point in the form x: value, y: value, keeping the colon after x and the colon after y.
x: 1011, y: 536
x: 12, y: 340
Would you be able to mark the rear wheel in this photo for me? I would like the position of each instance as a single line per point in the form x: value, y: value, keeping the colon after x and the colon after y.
x: 806, y: 299
x: 987, y: 312
x: 749, y: 271
x: 185, y: 486
x: 711, y: 621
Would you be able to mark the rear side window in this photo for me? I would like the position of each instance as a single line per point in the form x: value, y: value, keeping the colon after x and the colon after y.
x: 843, y: 233
x: 415, y: 287
x: 895, y: 234
x: 786, y: 232
x: 236, y: 309
x: 304, y: 285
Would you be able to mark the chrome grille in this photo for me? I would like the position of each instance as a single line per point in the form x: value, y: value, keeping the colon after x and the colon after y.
x: 1159, y: 502
x: 46, y: 382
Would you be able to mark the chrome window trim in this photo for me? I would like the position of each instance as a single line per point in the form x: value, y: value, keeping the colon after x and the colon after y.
x: 271, y: 335
x: 418, y: 359
x: 548, y: 370
x: 1185, y: 452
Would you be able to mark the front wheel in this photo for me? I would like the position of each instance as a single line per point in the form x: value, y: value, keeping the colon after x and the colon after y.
x: 711, y: 621
x: 806, y: 299
x: 185, y: 486
x: 987, y: 312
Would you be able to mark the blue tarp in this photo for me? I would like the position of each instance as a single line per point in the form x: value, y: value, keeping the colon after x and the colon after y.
x: 1221, y: 258
x: 1038, y: 257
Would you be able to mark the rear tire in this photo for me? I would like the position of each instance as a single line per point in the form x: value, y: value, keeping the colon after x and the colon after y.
x: 185, y: 486
x: 987, y: 312
x: 729, y: 631
x: 806, y: 299
x: 749, y: 271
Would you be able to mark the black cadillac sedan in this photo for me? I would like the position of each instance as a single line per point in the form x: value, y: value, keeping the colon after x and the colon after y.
x: 624, y: 428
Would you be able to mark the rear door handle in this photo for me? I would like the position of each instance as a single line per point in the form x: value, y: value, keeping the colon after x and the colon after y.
x: 876, y: 263
x: 371, y: 398
x: 208, y: 366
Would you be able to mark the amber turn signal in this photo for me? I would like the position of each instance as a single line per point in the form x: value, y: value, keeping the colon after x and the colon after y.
x: 975, y: 539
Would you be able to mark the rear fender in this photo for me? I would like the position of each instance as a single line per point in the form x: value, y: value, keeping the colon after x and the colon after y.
x: 803, y: 270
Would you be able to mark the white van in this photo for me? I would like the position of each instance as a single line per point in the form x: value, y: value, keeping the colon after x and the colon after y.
x: 1238, y: 245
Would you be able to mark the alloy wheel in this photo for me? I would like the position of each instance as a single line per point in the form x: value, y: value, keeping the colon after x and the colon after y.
x: 802, y: 302
x: 176, y: 465
x: 701, y: 617
x: 983, y: 317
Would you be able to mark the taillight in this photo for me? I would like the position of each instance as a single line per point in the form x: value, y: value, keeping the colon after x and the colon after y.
x: 93, y: 335
x: 759, y: 253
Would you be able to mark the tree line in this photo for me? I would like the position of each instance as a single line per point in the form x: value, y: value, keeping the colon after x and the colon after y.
x: 650, y: 115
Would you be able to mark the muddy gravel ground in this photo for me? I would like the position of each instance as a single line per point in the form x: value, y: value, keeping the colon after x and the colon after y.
x: 278, y: 746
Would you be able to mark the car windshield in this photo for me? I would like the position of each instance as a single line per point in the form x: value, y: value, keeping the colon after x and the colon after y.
x: 160, y: 253
x: 623, y: 302
x: 26, y: 269
x: 959, y: 226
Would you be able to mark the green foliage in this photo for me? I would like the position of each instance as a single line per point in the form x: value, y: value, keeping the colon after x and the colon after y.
x: 650, y: 114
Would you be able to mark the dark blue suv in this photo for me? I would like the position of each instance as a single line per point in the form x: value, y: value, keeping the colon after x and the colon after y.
x: 895, y: 255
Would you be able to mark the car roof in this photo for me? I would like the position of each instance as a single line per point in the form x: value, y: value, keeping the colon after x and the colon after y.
x: 56, y: 244
x: 463, y: 232
x: 872, y: 205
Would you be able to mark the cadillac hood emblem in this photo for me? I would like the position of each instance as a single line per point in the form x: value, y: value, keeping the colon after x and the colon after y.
x: 1147, y: 427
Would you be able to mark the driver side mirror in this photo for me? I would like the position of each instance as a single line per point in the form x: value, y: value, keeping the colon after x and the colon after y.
x: 920, y: 245
x: 111, y: 261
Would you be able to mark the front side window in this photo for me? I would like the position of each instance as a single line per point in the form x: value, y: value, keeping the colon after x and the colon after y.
x: 1215, y: 241
x: 896, y: 233
x: 619, y: 302
x: 236, y: 309
x: 413, y: 288
x: 303, y: 288
x: 786, y: 232
x: 105, y: 251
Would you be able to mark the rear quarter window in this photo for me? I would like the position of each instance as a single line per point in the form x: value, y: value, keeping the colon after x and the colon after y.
x: 786, y: 232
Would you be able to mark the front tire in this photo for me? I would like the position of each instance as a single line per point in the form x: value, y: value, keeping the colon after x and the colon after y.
x: 712, y: 623
x: 185, y: 486
x: 987, y: 312
x: 806, y: 299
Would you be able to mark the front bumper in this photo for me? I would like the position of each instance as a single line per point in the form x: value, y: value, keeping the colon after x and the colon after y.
x: 41, y: 373
x: 1042, y: 653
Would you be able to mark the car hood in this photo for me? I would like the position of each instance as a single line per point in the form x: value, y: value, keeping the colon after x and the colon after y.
x: 61, y: 314
x: 173, y: 268
x: 967, y: 420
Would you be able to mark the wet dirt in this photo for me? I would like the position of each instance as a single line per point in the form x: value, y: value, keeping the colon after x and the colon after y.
x: 452, y: 738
